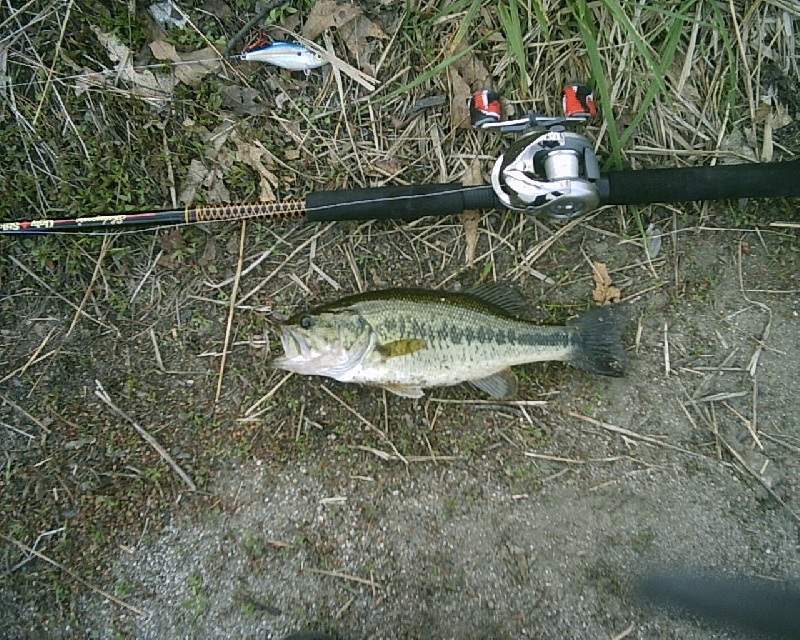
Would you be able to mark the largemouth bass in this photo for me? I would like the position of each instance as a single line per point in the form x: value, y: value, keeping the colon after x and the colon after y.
x: 408, y: 339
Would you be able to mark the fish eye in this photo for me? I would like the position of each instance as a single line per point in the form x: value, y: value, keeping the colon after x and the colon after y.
x: 306, y: 322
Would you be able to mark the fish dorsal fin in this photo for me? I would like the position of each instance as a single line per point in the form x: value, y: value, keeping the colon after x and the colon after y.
x: 505, y: 298
x: 400, y: 347
x: 501, y: 385
x: 404, y: 390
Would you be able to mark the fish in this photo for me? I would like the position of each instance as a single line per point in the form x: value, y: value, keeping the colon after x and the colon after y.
x: 288, y: 55
x: 406, y: 340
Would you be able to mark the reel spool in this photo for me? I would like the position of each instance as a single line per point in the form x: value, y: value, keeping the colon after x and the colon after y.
x: 549, y: 169
x: 555, y: 172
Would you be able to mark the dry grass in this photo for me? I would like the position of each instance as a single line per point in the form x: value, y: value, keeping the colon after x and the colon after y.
x: 679, y: 83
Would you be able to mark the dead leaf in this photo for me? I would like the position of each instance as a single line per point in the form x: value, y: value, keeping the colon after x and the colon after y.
x: 327, y: 14
x: 172, y: 244
x: 163, y: 50
x: 470, y: 67
x: 604, y: 293
x: 194, y: 178
x: 652, y: 236
x: 360, y: 29
x: 168, y: 15
x: 209, y: 252
x: 243, y: 101
x: 196, y: 65
x: 361, y: 37
x: 460, y: 93
x: 191, y: 67
x: 144, y: 82
x: 253, y: 155
x: 210, y: 180
x: 217, y: 8
x: 471, y: 218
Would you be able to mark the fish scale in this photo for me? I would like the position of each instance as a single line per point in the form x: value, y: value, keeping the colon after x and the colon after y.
x: 461, y: 337
x: 408, y: 339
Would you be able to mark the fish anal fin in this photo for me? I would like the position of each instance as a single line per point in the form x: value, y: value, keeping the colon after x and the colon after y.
x: 405, y: 390
x: 400, y: 347
x: 501, y: 385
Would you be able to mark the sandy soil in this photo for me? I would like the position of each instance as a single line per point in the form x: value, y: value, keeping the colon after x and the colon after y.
x: 693, y: 467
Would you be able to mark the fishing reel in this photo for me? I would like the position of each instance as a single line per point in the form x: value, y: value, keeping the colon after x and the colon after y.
x: 549, y: 169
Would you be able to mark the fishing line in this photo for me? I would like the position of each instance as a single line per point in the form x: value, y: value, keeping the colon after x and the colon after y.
x: 27, y: 230
x: 92, y: 74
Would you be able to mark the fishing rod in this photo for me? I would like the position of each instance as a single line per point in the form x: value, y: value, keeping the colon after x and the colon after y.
x: 550, y: 169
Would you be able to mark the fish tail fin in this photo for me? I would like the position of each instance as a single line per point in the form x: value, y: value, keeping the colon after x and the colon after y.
x: 600, y: 347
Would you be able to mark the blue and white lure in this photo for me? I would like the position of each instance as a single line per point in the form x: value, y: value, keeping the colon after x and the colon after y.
x: 288, y: 55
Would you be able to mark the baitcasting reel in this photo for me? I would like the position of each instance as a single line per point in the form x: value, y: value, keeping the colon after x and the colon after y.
x: 549, y: 169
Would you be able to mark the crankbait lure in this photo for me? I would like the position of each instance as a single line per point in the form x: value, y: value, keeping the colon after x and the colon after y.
x: 288, y: 55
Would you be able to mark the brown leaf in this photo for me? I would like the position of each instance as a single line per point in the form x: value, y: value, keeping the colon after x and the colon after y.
x: 327, y: 14
x: 474, y: 72
x: 356, y: 34
x: 243, y: 101
x: 163, y: 50
x: 193, y: 67
x: 196, y: 65
x: 144, y: 82
x: 459, y: 100
x: 194, y: 178
x: 604, y: 293
x: 471, y: 218
x: 253, y: 155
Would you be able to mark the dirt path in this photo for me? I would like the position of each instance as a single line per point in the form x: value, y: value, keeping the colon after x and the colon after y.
x: 517, y: 541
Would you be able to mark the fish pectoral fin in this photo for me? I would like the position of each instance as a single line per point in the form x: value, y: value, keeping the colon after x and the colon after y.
x: 400, y: 347
x: 502, y: 385
x: 405, y: 390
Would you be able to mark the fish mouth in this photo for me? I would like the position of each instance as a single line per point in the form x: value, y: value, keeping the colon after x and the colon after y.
x: 295, y: 349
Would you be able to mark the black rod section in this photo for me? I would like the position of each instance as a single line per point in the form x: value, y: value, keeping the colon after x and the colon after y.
x: 722, y: 182
x: 404, y: 202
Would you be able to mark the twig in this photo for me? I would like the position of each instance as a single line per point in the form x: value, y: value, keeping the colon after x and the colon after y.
x: 96, y: 272
x: 719, y: 397
x: 74, y: 576
x: 250, y: 412
x: 252, y: 22
x: 633, y: 434
x: 56, y: 57
x: 383, y: 455
x: 345, y: 576
x: 150, y: 270
x: 366, y: 422
x: 100, y: 392
x: 19, y: 409
x: 626, y: 632
x: 758, y: 477
x: 231, y: 312
x: 18, y: 431
x: 42, y: 283
x: 33, y: 359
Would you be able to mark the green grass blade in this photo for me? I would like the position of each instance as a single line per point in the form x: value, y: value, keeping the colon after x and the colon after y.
x: 467, y: 22
x: 667, y: 55
x: 430, y: 73
x: 508, y: 12
x: 541, y: 18
x: 588, y: 29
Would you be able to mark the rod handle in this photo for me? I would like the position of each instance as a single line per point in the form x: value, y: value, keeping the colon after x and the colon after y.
x: 721, y: 182
x: 403, y: 202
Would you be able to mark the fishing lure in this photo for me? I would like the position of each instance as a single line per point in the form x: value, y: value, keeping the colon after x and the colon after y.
x: 288, y: 55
